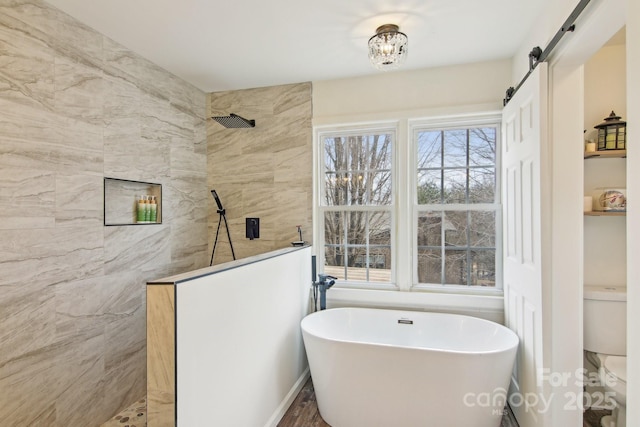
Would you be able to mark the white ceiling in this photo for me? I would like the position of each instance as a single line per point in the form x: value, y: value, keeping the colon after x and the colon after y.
x: 226, y: 45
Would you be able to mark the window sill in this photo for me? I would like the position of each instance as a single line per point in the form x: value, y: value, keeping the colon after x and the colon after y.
x: 482, y: 291
x: 490, y: 307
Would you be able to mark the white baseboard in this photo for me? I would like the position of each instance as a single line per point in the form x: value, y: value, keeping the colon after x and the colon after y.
x: 288, y: 400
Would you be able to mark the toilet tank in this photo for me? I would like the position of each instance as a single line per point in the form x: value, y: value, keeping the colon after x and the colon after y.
x: 605, y: 319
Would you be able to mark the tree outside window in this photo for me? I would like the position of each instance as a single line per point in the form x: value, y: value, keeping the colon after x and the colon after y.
x: 457, y: 206
x: 357, y: 201
x: 451, y: 240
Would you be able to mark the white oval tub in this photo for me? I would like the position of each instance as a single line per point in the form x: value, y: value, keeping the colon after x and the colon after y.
x: 369, y: 369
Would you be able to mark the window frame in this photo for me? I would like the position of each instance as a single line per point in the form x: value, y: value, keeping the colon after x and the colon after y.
x: 320, y: 206
x: 404, y: 208
x: 443, y: 124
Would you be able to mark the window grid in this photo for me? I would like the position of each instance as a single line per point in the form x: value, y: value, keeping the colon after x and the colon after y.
x: 352, y: 160
x: 468, y: 167
x: 474, y: 272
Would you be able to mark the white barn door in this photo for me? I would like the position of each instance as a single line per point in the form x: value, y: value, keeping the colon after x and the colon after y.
x: 524, y: 131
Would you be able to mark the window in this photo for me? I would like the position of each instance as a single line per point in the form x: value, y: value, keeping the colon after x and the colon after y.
x: 421, y: 212
x: 457, y: 205
x: 356, y: 204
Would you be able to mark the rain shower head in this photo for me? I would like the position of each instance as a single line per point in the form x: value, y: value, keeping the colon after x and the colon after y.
x: 234, y: 121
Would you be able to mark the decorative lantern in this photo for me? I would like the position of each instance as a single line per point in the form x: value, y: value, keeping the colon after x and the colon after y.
x: 611, y: 133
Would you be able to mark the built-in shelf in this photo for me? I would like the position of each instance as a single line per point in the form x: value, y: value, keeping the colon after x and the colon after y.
x: 605, y: 154
x: 121, y: 197
x: 604, y: 213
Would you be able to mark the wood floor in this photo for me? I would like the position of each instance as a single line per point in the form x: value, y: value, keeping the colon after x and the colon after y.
x: 304, y: 412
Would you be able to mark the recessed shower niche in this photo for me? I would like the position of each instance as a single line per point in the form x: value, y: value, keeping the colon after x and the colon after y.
x: 128, y: 202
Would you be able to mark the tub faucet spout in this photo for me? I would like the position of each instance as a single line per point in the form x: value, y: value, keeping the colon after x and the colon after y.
x: 328, y: 283
x: 325, y: 282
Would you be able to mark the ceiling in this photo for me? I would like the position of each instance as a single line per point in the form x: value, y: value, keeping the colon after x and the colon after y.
x: 227, y: 45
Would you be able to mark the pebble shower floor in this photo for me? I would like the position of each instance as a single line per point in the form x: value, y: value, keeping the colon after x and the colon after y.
x: 134, y: 416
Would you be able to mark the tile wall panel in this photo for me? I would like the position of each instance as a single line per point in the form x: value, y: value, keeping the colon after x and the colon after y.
x: 75, y: 107
x: 263, y: 172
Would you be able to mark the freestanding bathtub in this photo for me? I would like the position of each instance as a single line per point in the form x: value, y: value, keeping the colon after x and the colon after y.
x: 385, y: 368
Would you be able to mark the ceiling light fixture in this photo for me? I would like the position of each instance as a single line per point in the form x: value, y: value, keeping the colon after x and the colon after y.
x: 388, y: 48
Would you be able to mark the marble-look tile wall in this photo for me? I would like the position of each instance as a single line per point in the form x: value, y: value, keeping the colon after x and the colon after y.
x: 75, y: 107
x: 263, y: 172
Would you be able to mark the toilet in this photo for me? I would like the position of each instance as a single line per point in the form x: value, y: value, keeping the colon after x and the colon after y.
x: 605, y: 340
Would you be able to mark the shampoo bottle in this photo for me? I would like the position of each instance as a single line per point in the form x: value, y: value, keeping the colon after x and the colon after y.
x: 153, y: 217
x: 141, y: 209
x: 147, y: 210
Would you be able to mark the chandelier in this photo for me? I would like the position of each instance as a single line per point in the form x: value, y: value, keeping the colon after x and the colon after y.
x: 388, y: 47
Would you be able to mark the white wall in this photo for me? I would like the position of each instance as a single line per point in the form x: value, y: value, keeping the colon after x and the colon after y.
x: 562, y: 278
x: 240, y: 356
x: 550, y: 20
x: 434, y: 91
x: 605, y: 86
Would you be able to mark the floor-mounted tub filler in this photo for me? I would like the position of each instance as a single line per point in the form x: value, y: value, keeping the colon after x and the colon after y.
x: 385, y: 368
